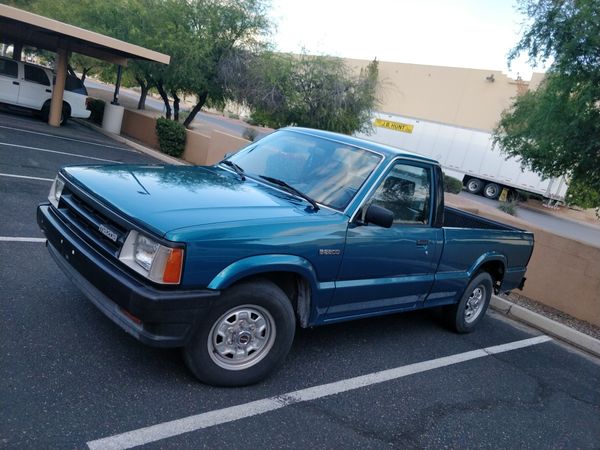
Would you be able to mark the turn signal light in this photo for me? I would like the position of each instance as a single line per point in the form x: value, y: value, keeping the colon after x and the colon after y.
x: 172, y: 273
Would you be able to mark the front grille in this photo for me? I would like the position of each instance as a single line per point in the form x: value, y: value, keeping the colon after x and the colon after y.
x: 90, y: 222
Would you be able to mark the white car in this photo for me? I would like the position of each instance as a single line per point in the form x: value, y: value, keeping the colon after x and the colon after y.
x: 30, y: 86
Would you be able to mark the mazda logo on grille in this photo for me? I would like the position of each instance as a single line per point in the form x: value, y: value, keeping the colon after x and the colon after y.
x: 108, y: 233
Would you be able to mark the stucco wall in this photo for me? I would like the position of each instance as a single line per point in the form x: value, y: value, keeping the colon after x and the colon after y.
x: 205, y: 150
x: 563, y: 273
x: 141, y: 126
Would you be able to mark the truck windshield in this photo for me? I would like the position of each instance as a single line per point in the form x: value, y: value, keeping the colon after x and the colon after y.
x: 329, y: 172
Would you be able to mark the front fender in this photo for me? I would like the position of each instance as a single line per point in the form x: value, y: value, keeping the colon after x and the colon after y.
x: 255, y: 265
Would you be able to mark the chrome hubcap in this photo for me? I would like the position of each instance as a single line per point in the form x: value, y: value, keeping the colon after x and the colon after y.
x: 241, y: 337
x: 475, y: 303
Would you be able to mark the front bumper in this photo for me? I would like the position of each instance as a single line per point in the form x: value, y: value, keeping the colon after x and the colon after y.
x: 168, y: 316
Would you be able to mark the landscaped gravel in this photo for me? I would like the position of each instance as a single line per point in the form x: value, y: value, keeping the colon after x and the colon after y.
x: 554, y: 314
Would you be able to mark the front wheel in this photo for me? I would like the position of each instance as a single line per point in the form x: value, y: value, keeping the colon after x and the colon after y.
x: 245, y: 337
x: 469, y: 311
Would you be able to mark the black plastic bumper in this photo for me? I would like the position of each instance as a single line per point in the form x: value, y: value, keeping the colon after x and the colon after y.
x: 167, y: 316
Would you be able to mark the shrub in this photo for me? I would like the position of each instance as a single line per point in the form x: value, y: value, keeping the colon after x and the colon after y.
x: 96, y: 106
x: 521, y: 196
x: 509, y: 207
x: 249, y: 134
x: 171, y: 136
x: 452, y: 185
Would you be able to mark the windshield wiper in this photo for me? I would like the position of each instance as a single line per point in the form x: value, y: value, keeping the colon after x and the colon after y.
x: 291, y: 189
x: 235, y: 167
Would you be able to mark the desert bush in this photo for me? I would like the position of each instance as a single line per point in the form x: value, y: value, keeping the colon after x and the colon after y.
x: 452, y: 185
x: 171, y: 136
x: 509, y: 207
x: 249, y: 134
x: 96, y: 106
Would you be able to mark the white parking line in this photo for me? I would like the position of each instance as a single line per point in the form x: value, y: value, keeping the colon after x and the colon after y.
x: 221, y: 416
x: 24, y: 176
x: 21, y: 239
x: 56, y: 151
x: 66, y: 138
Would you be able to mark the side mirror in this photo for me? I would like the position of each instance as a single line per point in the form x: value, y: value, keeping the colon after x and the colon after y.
x: 380, y: 216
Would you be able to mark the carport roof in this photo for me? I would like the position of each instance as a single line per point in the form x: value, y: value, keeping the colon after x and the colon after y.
x: 24, y: 27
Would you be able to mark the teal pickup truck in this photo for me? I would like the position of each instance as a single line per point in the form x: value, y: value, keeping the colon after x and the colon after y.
x: 302, y: 228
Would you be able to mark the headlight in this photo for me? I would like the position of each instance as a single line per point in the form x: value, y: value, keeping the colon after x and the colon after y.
x: 56, y: 191
x: 157, y: 262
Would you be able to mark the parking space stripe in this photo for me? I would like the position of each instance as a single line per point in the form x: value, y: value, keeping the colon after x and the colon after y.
x: 222, y: 416
x: 21, y: 239
x: 25, y: 177
x: 56, y: 151
x: 67, y: 139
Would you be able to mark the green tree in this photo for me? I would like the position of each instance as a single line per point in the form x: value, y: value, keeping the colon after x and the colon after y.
x: 219, y: 28
x: 304, y: 90
x: 555, y: 129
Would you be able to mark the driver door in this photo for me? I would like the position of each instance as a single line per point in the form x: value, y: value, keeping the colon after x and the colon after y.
x: 387, y: 269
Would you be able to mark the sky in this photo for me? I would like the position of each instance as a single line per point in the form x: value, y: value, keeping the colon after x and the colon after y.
x: 457, y: 33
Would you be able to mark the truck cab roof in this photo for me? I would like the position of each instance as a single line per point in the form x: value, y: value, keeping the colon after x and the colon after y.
x: 385, y: 150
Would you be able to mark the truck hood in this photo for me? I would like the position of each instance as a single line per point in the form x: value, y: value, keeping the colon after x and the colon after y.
x: 167, y: 198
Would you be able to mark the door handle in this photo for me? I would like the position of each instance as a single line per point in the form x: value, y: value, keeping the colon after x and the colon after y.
x: 422, y: 242
x: 49, y: 91
x: 16, y: 83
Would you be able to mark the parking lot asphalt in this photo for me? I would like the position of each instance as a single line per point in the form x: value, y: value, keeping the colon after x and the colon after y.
x: 69, y: 377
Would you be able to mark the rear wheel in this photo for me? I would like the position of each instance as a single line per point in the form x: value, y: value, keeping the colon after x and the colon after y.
x: 469, y: 311
x: 244, y: 338
x: 474, y: 186
x: 491, y: 191
x: 64, y: 116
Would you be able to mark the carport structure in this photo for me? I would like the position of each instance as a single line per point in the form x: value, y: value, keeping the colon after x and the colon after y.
x: 21, y: 28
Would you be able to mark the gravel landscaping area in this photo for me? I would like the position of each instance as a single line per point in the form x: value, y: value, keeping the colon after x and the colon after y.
x: 554, y: 314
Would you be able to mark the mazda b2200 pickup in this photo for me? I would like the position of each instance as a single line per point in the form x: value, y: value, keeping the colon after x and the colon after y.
x: 302, y: 228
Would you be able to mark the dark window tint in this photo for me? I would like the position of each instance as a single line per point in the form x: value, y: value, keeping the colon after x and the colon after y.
x: 406, y: 191
x: 9, y: 68
x: 74, y: 84
x: 36, y: 75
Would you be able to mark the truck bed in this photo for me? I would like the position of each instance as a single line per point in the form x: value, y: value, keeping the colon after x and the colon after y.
x: 456, y: 218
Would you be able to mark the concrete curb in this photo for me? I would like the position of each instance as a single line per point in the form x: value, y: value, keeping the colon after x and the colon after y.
x: 548, y: 326
x: 140, y: 148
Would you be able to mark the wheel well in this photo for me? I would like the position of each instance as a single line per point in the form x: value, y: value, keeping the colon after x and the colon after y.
x: 496, y: 271
x: 49, y: 101
x: 295, y: 287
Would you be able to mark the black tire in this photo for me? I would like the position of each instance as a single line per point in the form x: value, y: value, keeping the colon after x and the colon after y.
x: 457, y: 316
x: 491, y: 191
x: 65, y: 113
x: 217, y: 367
x: 474, y: 185
x: 45, y: 112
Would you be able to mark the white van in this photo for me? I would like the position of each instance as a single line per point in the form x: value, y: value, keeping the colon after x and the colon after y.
x: 30, y: 86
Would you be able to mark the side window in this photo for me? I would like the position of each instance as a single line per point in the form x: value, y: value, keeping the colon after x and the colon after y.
x: 406, y: 191
x: 9, y: 68
x: 36, y: 75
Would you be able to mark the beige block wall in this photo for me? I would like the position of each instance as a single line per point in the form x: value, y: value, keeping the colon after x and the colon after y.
x: 196, y: 148
x: 204, y: 150
x: 141, y: 126
x: 221, y: 144
x: 449, y: 95
x: 563, y: 273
